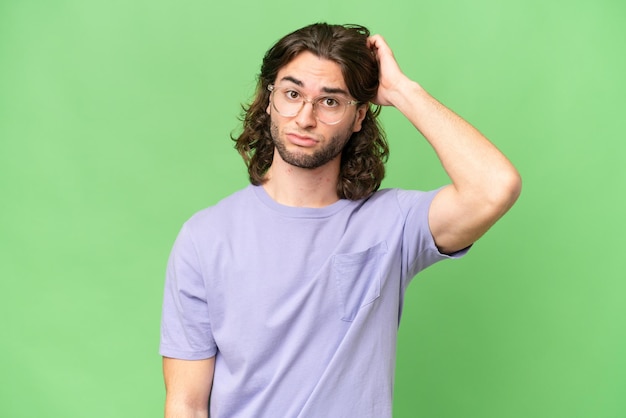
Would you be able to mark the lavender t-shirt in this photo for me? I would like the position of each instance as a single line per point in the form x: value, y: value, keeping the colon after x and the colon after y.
x: 300, y: 306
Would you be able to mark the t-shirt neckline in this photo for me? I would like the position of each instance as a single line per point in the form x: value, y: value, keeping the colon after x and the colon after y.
x: 298, y: 212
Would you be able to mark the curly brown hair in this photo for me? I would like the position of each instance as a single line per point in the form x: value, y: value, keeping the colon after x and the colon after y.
x: 364, y: 156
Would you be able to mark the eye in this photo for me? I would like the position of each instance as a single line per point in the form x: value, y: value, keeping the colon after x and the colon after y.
x: 329, y: 102
x: 292, y: 94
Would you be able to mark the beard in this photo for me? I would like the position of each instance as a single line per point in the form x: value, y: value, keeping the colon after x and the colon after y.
x: 320, y: 157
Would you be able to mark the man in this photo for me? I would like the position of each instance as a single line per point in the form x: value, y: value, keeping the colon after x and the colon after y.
x: 283, y: 300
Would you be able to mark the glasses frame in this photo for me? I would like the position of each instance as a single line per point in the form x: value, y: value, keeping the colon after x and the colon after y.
x: 273, y: 88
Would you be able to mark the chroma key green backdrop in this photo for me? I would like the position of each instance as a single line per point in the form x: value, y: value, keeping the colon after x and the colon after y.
x: 115, y: 119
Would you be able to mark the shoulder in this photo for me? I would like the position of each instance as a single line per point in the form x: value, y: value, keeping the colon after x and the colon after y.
x: 217, y: 220
x: 402, y: 199
x: 222, y: 209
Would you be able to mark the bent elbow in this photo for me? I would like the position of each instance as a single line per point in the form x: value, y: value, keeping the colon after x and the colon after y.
x: 506, y: 191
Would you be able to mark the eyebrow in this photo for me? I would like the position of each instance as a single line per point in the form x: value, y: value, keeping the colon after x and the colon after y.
x: 331, y: 90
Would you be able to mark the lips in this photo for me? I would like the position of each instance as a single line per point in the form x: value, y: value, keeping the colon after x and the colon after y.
x: 301, y: 140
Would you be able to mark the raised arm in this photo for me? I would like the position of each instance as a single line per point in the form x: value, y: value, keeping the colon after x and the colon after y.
x: 484, y: 183
x: 187, y: 387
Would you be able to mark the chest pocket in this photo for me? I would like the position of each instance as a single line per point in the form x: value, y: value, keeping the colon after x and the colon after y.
x: 358, y: 278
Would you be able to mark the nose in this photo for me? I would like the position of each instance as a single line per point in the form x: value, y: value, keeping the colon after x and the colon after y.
x: 306, y: 117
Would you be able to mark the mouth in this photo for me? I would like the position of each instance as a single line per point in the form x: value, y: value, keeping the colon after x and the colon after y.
x: 301, y: 140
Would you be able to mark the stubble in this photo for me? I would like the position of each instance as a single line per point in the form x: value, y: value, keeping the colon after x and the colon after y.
x: 320, y: 157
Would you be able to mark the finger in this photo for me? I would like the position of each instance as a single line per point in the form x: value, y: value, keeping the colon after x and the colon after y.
x: 374, y: 41
x: 379, y: 46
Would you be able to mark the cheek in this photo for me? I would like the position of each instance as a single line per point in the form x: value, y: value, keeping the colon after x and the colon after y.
x: 345, y: 133
x: 274, y: 131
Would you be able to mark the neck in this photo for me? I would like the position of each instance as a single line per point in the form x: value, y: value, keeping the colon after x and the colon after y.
x: 302, y: 187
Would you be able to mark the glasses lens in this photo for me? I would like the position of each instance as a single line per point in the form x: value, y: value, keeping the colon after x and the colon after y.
x: 287, y: 102
x: 327, y: 109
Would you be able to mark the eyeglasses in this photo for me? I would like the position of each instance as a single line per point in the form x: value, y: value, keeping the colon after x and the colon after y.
x: 328, y: 109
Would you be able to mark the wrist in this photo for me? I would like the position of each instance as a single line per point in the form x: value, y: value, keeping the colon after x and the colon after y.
x: 406, y: 93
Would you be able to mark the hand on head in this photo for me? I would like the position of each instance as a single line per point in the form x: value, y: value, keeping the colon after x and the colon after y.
x: 391, y: 77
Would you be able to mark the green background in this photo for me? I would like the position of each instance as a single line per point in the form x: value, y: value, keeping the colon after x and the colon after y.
x: 115, y: 119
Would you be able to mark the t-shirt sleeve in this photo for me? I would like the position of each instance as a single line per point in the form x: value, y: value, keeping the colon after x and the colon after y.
x: 185, y: 323
x: 418, y: 245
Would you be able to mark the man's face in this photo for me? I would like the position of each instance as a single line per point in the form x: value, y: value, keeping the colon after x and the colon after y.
x: 302, y: 140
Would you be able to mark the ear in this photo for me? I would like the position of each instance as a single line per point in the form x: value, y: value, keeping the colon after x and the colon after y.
x: 267, y: 109
x: 361, y: 111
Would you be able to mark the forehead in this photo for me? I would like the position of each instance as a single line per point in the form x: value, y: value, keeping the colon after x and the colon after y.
x: 313, y: 73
